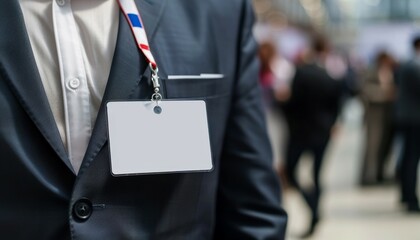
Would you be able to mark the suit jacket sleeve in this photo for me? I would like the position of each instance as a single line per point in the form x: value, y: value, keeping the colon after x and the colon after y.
x: 248, y: 204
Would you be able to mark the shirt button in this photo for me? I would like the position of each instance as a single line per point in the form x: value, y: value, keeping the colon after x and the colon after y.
x: 61, y: 2
x: 82, y: 209
x: 73, y: 83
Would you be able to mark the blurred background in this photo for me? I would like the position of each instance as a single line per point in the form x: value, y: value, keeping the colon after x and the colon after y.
x: 341, y: 82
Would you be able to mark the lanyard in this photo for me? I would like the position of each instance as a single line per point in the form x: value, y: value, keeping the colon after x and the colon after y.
x: 133, y: 17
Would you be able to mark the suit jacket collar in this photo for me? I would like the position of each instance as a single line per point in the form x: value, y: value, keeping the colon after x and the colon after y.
x: 18, y: 67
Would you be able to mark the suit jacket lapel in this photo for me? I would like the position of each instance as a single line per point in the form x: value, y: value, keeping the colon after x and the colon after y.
x: 151, y: 12
x: 127, y: 68
x: 18, y: 67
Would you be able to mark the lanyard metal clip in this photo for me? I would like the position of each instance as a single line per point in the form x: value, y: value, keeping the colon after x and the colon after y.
x: 156, y: 97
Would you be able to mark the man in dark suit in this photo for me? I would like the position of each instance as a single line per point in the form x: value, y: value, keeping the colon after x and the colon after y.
x: 311, y: 113
x: 408, y: 119
x: 45, y: 195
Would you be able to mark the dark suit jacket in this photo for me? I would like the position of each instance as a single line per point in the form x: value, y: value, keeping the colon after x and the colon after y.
x: 42, y: 198
x: 314, y: 104
x: 407, y: 104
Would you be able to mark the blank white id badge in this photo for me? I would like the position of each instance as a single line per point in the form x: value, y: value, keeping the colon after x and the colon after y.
x: 144, y: 140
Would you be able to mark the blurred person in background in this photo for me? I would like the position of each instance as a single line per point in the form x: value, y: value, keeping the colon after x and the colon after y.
x: 284, y: 71
x: 267, y: 54
x: 408, y: 119
x: 378, y: 94
x: 275, y: 75
x: 311, y: 113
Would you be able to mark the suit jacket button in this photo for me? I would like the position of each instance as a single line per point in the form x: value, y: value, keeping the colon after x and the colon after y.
x: 82, y: 209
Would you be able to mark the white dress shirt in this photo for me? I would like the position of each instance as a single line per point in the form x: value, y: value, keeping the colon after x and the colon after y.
x: 73, y: 42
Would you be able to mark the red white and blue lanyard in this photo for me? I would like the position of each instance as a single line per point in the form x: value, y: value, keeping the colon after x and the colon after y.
x: 132, y: 15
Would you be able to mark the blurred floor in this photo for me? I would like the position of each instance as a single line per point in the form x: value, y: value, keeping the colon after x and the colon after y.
x: 348, y: 212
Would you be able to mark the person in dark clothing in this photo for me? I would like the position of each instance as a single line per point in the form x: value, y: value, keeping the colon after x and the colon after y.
x: 408, y: 119
x: 311, y: 113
